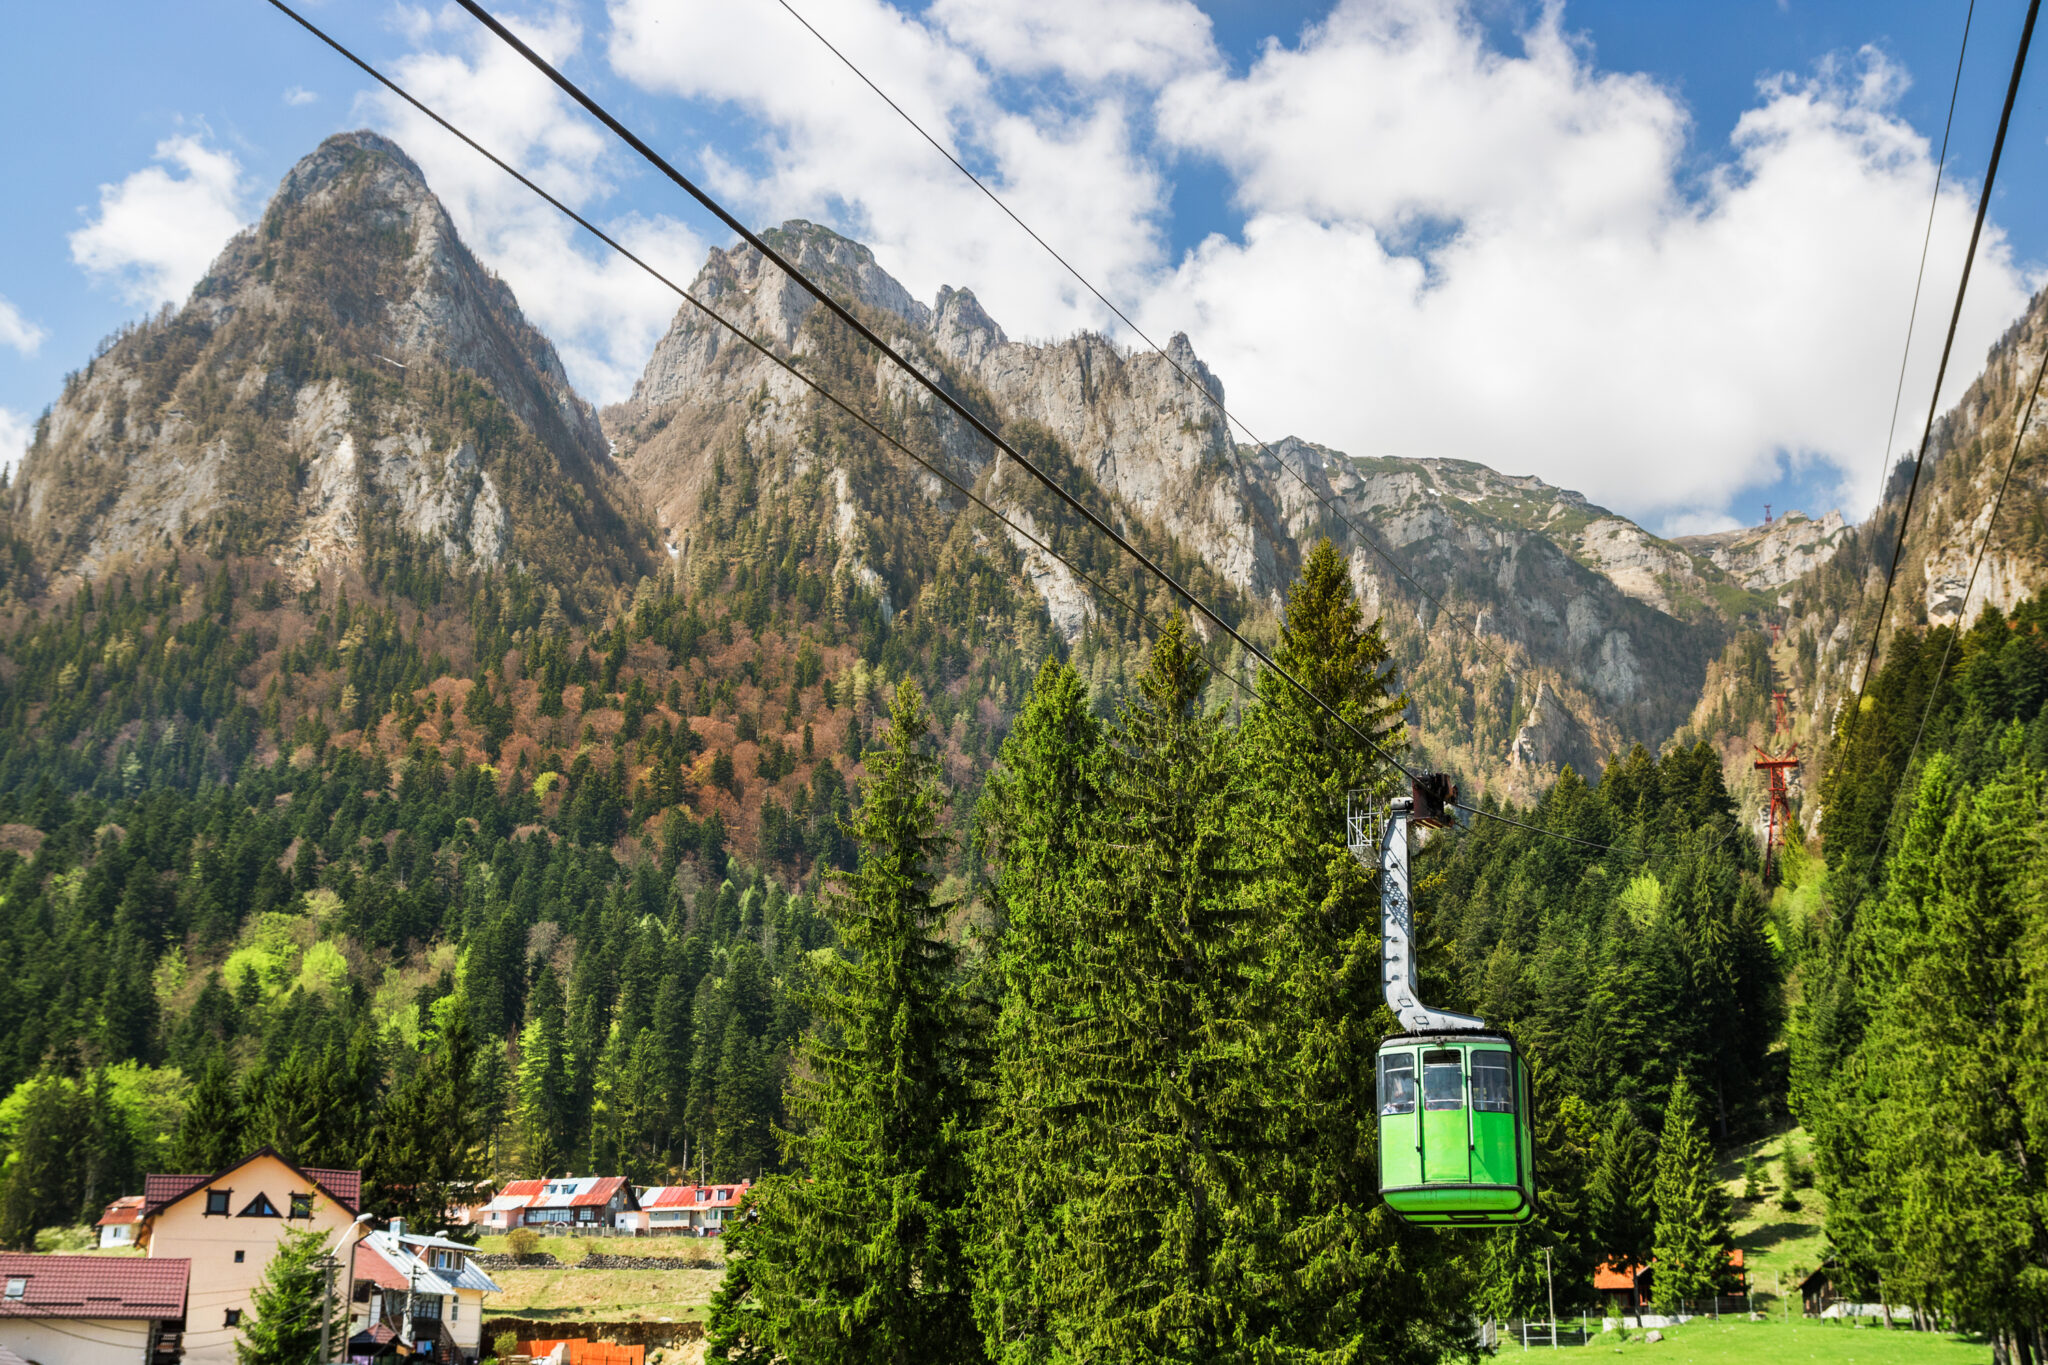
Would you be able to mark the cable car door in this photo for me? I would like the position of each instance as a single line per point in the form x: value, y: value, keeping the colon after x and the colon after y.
x: 1446, y: 1128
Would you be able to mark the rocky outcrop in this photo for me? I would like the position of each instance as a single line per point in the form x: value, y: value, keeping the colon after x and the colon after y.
x: 1550, y: 740
x: 346, y: 374
x: 1772, y: 555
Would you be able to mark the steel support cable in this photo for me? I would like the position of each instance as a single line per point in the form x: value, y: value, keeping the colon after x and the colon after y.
x: 1990, y: 529
x: 865, y: 421
x: 714, y: 315
x: 2012, y: 90
x: 1926, y: 238
x: 1470, y: 628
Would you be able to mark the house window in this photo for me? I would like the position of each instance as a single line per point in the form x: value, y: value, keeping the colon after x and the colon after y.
x: 454, y: 1310
x: 302, y: 1206
x: 234, y: 1318
x: 17, y: 1286
x: 238, y: 1256
x: 427, y: 1306
x: 217, y: 1203
x: 260, y: 1207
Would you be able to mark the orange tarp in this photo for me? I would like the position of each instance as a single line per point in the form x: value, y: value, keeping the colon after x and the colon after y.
x: 587, y: 1352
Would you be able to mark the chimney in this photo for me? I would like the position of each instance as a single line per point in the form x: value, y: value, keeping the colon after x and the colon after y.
x: 397, y: 1228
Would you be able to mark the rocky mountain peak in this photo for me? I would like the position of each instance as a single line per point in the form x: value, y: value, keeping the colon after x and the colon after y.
x: 346, y: 373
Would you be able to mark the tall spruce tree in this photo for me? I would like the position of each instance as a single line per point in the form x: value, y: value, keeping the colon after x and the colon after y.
x: 41, y: 1186
x: 544, y: 1082
x: 210, y: 1137
x: 860, y: 1255
x: 1158, y: 1080
x: 1622, y: 1191
x: 1034, y: 818
x: 1692, y: 1232
x: 1346, y: 1279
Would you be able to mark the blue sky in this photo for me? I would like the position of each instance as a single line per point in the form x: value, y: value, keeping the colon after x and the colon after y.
x: 1661, y: 252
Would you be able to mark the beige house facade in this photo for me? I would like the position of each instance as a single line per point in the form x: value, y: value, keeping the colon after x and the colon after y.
x: 228, y: 1225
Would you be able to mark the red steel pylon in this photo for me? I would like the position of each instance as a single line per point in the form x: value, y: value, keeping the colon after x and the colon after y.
x: 1777, y: 765
x: 1780, y: 698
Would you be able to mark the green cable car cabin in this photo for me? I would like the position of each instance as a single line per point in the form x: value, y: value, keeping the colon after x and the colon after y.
x: 1457, y: 1148
x: 1456, y: 1145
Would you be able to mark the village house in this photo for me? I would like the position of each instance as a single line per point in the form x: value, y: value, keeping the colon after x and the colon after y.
x: 92, y: 1310
x: 431, y: 1280
x: 590, y: 1203
x: 118, y: 1222
x: 684, y: 1210
x: 1631, y: 1285
x: 227, y: 1225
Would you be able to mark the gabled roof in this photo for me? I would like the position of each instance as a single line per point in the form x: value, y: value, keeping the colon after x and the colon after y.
x: 93, y: 1286
x: 345, y: 1188
x: 127, y: 1209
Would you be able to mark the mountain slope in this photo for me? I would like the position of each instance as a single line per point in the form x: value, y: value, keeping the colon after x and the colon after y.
x: 346, y: 385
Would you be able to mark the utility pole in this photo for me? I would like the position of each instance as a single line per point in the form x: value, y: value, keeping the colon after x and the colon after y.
x: 328, y: 1265
x: 1550, y: 1289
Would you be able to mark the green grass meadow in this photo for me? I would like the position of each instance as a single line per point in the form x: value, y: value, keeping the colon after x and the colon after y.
x: 1802, y: 1341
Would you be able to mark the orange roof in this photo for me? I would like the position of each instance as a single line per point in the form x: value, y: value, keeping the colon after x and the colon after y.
x: 1607, y: 1276
x: 126, y: 1209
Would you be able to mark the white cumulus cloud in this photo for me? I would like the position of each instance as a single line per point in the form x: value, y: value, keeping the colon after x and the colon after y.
x: 17, y: 331
x: 15, y: 433
x: 1450, y: 246
x: 299, y: 95
x: 155, y: 232
x: 602, y: 312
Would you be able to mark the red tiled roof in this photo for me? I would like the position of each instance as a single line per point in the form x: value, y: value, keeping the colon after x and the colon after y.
x: 343, y: 1187
x: 93, y: 1286
x: 372, y: 1268
x: 520, y: 1189
x: 126, y: 1209
x: 159, y: 1190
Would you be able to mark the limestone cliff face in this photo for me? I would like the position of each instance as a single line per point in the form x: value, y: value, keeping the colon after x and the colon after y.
x: 1617, y: 623
x: 346, y: 374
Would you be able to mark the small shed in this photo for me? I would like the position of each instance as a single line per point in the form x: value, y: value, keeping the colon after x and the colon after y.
x: 1821, y: 1287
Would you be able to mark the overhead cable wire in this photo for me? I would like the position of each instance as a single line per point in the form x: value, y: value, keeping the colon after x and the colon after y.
x: 2012, y: 90
x: 1217, y: 668
x: 1926, y: 238
x: 1948, y: 649
x: 1328, y: 505
x: 936, y: 389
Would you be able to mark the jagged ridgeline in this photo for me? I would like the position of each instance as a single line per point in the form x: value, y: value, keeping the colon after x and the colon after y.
x: 347, y: 389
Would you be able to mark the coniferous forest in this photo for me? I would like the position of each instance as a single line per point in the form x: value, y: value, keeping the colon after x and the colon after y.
x: 1067, y: 1057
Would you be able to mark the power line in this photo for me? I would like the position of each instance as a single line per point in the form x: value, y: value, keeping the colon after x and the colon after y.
x: 2012, y: 90
x: 1948, y: 649
x: 1328, y: 505
x: 819, y: 389
x: 936, y: 389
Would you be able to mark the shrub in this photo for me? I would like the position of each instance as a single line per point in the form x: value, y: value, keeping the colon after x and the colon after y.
x: 522, y: 1242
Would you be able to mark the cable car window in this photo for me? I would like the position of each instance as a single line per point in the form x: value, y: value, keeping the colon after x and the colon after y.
x: 1443, y: 1080
x: 1397, y: 1084
x: 1493, y: 1083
